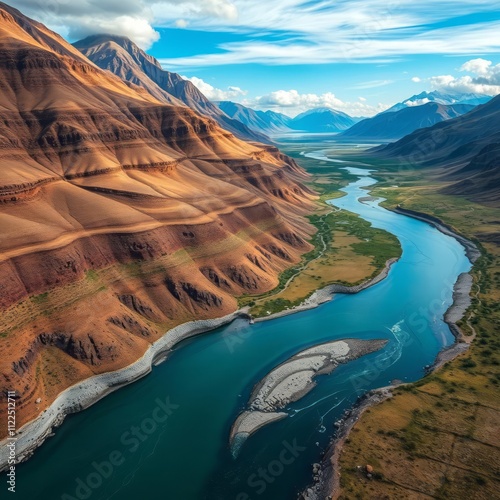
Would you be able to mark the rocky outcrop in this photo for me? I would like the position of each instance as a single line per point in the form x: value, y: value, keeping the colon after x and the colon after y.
x: 137, y: 306
x: 216, y: 278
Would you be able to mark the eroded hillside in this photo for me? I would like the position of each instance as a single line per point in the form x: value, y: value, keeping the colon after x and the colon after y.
x: 121, y: 216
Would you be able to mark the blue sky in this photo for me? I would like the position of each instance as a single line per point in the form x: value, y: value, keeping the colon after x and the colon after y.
x: 359, y: 56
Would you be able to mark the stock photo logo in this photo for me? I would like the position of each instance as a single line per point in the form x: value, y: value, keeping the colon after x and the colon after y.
x: 130, y: 442
x: 259, y: 480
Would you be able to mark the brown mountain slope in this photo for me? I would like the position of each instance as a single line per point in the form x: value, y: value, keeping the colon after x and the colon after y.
x: 125, y: 59
x: 480, y: 178
x: 120, y: 216
x: 463, y: 150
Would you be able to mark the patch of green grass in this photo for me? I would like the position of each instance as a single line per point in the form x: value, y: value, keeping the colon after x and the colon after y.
x: 91, y: 275
x: 41, y: 298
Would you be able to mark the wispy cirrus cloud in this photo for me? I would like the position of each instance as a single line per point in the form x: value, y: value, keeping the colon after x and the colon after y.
x: 349, y: 46
x: 373, y: 84
x: 310, y: 32
x: 350, y: 31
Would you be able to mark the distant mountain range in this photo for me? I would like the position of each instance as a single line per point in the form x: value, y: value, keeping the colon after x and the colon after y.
x: 323, y: 120
x: 317, y: 120
x: 440, y: 98
x: 419, y: 111
x: 126, y: 60
x: 268, y: 122
x: 467, y: 147
x: 468, y: 142
x: 391, y: 126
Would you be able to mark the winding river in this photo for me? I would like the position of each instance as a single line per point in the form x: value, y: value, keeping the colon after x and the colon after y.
x: 187, y: 405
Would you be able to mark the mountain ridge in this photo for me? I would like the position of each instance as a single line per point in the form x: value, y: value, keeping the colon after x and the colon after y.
x: 315, y: 120
x: 462, y: 150
x: 439, y: 98
x: 125, y: 59
x: 268, y: 122
x: 321, y: 120
x: 397, y: 124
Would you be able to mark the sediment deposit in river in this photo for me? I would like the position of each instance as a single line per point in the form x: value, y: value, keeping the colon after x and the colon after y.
x: 292, y: 380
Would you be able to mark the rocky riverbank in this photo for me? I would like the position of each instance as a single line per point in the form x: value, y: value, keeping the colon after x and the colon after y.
x: 89, y: 391
x: 86, y: 393
x: 327, y: 473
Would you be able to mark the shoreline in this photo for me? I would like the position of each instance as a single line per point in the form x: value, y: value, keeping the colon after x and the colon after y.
x: 89, y: 391
x: 325, y: 294
x: 84, y: 394
x: 327, y: 472
x: 471, y: 250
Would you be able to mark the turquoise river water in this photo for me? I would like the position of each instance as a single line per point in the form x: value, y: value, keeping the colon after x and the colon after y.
x: 185, y: 408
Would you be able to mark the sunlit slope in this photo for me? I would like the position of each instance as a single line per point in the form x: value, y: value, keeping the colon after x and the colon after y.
x: 121, y: 216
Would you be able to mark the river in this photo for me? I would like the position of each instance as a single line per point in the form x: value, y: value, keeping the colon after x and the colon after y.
x: 186, y: 406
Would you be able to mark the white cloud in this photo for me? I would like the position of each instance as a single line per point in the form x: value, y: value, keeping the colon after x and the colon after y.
x: 417, y: 102
x: 136, y: 29
x: 292, y: 103
x: 416, y: 79
x: 478, y: 66
x: 309, y: 32
x: 289, y: 102
x: 484, y: 78
x: 215, y: 94
x: 132, y: 18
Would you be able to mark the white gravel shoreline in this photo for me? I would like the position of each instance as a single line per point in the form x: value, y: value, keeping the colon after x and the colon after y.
x: 292, y: 380
x: 87, y: 392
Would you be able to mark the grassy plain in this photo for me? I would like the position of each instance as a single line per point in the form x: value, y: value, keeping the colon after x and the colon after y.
x: 438, y: 438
